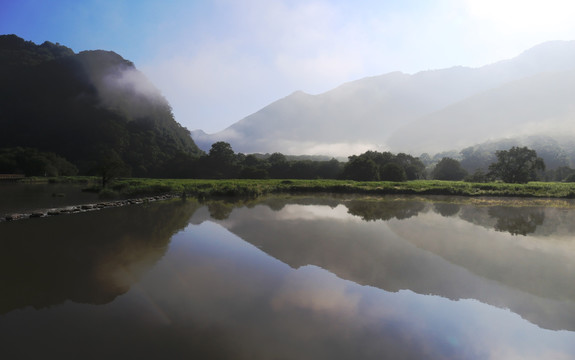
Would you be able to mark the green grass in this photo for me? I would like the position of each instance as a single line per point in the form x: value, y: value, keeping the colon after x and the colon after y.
x: 255, y: 188
x: 133, y: 187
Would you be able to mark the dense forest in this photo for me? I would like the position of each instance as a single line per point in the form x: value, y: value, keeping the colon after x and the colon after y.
x: 90, y: 109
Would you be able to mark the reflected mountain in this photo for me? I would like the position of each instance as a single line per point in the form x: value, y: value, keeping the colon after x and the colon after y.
x: 418, y: 248
x: 86, y: 258
x: 220, y: 210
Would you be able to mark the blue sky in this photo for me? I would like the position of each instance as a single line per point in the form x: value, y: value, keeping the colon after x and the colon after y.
x: 219, y: 61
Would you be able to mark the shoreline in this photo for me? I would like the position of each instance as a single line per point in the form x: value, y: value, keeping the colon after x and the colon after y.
x: 140, y: 190
x: 254, y: 188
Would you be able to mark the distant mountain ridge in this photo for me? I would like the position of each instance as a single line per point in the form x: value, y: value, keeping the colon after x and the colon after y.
x: 425, y: 112
x: 86, y: 106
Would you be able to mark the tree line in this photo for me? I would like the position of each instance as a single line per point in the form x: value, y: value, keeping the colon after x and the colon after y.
x: 516, y: 165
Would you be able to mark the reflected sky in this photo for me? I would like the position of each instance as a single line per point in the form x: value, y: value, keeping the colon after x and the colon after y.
x: 316, y: 282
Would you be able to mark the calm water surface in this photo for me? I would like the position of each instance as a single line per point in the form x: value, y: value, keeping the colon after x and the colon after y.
x: 23, y: 198
x: 291, y: 278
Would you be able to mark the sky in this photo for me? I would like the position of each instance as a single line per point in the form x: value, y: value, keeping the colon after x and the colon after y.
x: 219, y: 61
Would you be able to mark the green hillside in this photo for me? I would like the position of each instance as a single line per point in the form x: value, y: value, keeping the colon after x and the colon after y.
x: 88, y: 108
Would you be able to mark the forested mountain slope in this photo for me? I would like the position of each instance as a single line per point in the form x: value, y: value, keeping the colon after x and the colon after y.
x: 87, y: 107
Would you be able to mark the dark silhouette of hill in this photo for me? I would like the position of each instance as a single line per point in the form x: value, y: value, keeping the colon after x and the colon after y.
x: 86, y: 107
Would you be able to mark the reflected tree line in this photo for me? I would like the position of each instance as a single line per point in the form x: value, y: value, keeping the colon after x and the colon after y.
x: 372, y: 210
x: 514, y: 220
x: 517, y: 221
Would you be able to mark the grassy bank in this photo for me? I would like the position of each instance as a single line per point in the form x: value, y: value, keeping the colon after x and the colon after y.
x: 254, y: 188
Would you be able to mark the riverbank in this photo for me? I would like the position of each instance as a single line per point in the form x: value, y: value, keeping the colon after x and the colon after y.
x: 254, y: 188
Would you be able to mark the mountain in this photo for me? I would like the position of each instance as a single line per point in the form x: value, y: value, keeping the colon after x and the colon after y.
x: 428, y: 111
x: 85, y: 107
x: 542, y: 103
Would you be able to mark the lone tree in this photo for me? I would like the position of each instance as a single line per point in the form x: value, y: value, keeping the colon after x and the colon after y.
x: 517, y: 165
x: 222, y: 161
x: 110, y: 166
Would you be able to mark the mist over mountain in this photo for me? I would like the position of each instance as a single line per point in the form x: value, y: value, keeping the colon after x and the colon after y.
x: 429, y: 111
x: 85, y: 107
x: 540, y: 104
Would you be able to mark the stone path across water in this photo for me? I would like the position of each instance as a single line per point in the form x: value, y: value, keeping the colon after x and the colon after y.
x: 82, y: 208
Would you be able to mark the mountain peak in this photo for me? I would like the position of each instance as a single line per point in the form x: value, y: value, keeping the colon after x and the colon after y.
x: 16, y: 51
x: 298, y: 93
x: 550, y: 48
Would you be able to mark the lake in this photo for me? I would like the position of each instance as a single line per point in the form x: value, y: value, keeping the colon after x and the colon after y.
x: 293, y: 277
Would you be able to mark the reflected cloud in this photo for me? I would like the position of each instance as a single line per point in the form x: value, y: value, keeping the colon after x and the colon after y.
x: 312, y: 213
x: 318, y: 291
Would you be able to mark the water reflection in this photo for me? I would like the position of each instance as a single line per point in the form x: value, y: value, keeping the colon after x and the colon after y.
x: 290, y: 278
x: 517, y: 221
x: 417, y: 248
x: 87, y: 258
x: 446, y: 209
x: 18, y: 198
x: 375, y: 209
x: 220, y: 210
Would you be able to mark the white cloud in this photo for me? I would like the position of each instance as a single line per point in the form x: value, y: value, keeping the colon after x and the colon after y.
x: 133, y: 80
